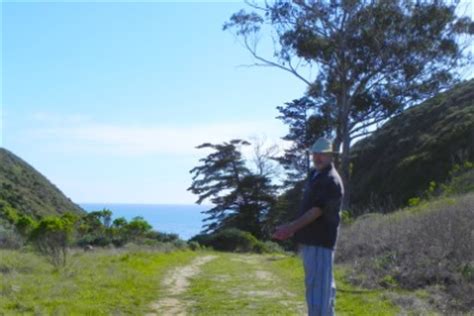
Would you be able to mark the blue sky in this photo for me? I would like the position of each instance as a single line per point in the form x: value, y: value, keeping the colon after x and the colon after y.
x: 108, y: 100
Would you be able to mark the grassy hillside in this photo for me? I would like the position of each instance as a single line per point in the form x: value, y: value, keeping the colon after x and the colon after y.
x: 29, y: 192
x: 420, y: 145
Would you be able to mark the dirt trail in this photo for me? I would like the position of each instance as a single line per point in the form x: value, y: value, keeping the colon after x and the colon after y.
x: 175, y: 284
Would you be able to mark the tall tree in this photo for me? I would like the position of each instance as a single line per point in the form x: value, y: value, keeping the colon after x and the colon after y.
x: 241, y: 198
x: 372, y: 58
x: 305, y: 125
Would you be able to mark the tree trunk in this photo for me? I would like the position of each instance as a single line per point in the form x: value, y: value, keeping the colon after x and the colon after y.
x: 345, y: 138
x: 336, y: 148
x: 345, y: 169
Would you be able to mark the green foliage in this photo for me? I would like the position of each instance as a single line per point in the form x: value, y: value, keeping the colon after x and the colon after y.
x: 268, y: 246
x: 52, y: 236
x: 137, y: 227
x: 25, y: 225
x: 241, y: 198
x: 231, y: 239
x: 417, y: 151
x: 304, y: 127
x: 162, y: 237
x: 8, y: 213
x: 234, y: 240
x: 467, y: 271
x: 98, y: 229
x: 461, y: 180
x: 194, y: 245
x: 374, y: 60
x: 388, y: 281
x: 9, y: 236
x: 415, y: 201
x: 346, y: 217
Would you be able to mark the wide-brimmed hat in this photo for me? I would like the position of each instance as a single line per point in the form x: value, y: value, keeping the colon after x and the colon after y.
x: 322, y: 145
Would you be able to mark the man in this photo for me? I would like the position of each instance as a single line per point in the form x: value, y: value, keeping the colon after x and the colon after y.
x: 315, y: 229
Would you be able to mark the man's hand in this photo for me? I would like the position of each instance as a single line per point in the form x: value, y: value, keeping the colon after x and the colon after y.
x: 283, y: 232
x: 286, y: 231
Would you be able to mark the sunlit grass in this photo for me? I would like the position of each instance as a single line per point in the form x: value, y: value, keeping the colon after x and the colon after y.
x: 229, y: 285
x: 104, y: 282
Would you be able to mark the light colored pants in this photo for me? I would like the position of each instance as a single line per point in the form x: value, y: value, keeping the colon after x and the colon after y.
x: 319, y: 280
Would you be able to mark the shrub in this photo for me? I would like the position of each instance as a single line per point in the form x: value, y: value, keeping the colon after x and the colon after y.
x: 231, y: 239
x: 9, y: 237
x: 162, y: 237
x: 137, y: 227
x: 268, y: 247
x: 346, y: 217
x: 25, y: 225
x: 194, y: 245
x: 460, y: 184
x: 51, y: 237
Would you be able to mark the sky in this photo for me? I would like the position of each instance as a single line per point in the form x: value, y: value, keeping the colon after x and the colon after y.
x: 108, y: 100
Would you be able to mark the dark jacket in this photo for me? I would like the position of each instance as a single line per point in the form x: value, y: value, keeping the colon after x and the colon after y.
x: 324, y: 190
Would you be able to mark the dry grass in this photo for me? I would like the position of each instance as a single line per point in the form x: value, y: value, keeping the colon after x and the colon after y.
x: 430, y: 246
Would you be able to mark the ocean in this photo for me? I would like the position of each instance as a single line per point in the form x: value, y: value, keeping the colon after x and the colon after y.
x: 184, y: 220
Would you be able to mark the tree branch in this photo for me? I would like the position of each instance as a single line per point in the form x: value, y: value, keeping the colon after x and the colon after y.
x: 361, y: 134
x: 368, y: 124
x: 274, y: 64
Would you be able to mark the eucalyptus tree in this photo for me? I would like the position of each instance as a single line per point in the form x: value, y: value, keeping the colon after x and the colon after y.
x: 371, y: 59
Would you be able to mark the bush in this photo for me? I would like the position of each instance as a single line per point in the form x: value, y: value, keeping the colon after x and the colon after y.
x: 51, y: 237
x: 268, y: 247
x: 9, y: 237
x: 194, y: 245
x: 162, y: 237
x: 231, y: 239
x: 460, y: 184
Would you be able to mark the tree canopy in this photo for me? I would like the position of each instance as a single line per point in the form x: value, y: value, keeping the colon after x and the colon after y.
x: 372, y: 59
x: 241, y: 199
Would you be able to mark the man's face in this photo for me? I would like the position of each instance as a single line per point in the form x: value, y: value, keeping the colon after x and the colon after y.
x: 321, y: 160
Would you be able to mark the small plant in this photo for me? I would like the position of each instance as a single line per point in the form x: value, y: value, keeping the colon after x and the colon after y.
x: 194, y: 245
x: 388, y: 281
x: 415, y: 201
x: 467, y: 272
x: 346, y: 217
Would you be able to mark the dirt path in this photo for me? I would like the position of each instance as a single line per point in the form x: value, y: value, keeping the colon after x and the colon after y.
x: 245, y: 284
x: 175, y: 284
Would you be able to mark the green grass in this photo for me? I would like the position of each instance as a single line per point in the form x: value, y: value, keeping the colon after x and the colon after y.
x: 230, y: 285
x: 241, y: 284
x: 108, y: 282
x: 351, y: 300
x: 99, y: 283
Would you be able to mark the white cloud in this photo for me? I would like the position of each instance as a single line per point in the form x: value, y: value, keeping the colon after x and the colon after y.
x: 77, y: 133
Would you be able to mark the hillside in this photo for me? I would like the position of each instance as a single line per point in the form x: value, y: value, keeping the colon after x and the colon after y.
x: 398, y: 161
x: 425, y: 250
x: 28, y: 191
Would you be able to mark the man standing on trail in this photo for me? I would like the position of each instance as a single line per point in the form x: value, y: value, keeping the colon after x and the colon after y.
x: 315, y: 229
